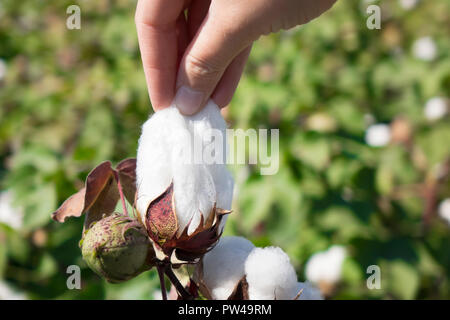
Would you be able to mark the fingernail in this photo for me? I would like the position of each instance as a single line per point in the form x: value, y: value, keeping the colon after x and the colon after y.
x: 188, y: 101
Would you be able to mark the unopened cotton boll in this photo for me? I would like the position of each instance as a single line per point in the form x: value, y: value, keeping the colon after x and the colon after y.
x: 444, y: 210
x: 270, y: 275
x: 378, y: 135
x: 308, y: 291
x: 425, y: 49
x: 435, y: 108
x: 9, y: 214
x: 326, y: 266
x: 224, y: 266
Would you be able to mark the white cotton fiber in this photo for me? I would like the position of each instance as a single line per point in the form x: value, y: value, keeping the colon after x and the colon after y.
x: 223, y: 266
x: 171, y: 148
x: 326, y: 266
x: 270, y: 275
x: 309, y: 291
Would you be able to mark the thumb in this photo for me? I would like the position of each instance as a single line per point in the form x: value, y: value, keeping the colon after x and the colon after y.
x: 205, y: 60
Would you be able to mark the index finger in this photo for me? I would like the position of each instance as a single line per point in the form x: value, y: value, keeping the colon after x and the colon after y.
x: 156, y: 24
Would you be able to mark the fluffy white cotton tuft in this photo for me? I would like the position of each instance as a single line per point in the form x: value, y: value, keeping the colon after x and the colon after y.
x: 223, y: 266
x: 9, y: 214
x: 408, y: 4
x: 7, y: 292
x: 2, y: 69
x: 172, y: 147
x: 309, y: 291
x: 435, y: 108
x: 444, y: 210
x: 424, y: 49
x: 378, y: 135
x: 270, y: 275
x: 326, y: 266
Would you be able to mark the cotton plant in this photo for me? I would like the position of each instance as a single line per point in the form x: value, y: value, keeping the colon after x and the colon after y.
x: 444, y: 210
x: 175, y: 198
x: 10, y: 214
x: 8, y: 292
x: 324, y: 268
x: 425, y: 48
x: 378, y: 135
x: 436, y: 108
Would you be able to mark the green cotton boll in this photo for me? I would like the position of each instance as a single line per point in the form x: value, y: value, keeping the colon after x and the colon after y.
x: 117, y: 248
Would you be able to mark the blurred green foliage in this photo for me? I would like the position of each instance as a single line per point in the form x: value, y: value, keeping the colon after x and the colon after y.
x: 71, y: 99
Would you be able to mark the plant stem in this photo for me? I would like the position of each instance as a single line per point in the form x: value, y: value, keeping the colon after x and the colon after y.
x: 122, y: 198
x: 161, y: 270
x: 181, y: 290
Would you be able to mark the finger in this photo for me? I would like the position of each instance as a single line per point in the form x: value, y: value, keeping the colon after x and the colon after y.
x: 156, y: 24
x: 196, y: 14
x: 227, y: 85
x: 183, y: 36
x: 214, y: 46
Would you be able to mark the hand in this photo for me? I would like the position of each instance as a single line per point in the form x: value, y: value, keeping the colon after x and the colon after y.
x: 202, y: 54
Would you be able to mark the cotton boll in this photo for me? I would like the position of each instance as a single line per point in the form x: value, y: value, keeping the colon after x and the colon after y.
x: 435, y: 108
x: 309, y: 292
x: 425, y: 49
x: 408, y: 4
x: 7, y: 292
x: 9, y: 214
x: 444, y: 210
x: 168, y: 152
x: 378, y: 135
x: 2, y: 69
x: 270, y: 275
x: 326, y: 266
x: 223, y: 266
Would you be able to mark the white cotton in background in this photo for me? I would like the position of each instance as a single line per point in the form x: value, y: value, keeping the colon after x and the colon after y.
x: 2, y: 69
x: 270, y: 275
x: 309, y: 292
x: 326, y: 266
x: 168, y: 152
x: 7, y: 292
x: 435, y: 108
x: 223, y: 266
x: 378, y: 135
x: 444, y: 210
x: 408, y: 4
x: 424, y: 49
x: 9, y: 214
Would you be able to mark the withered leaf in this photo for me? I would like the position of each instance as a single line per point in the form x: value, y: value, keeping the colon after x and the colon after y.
x: 127, y: 176
x: 98, y: 197
x: 240, y: 292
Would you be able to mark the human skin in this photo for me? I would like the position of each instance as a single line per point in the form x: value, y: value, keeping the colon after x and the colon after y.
x: 193, y: 50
